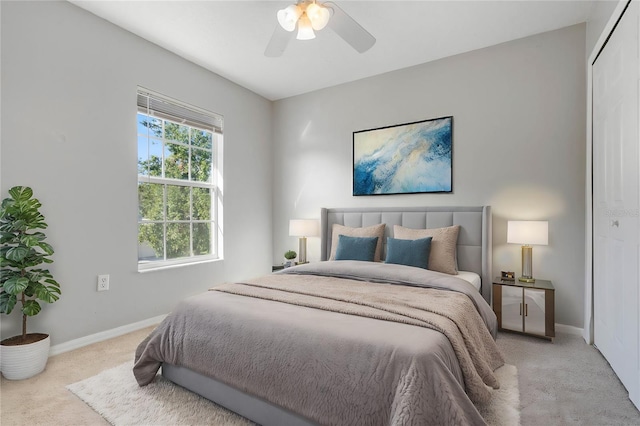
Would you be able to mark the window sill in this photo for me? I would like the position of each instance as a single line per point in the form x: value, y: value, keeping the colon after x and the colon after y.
x: 176, y: 265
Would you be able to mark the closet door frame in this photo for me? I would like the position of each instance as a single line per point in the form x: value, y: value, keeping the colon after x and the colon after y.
x: 588, y: 291
x: 628, y: 366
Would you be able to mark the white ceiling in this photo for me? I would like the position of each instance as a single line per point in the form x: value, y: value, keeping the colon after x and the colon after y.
x: 229, y: 37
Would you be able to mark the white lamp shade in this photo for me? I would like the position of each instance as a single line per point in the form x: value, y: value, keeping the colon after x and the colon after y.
x: 318, y: 15
x: 288, y: 17
x: 305, y: 30
x: 528, y: 232
x: 304, y: 228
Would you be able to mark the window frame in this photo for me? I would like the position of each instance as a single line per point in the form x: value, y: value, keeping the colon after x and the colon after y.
x: 165, y: 109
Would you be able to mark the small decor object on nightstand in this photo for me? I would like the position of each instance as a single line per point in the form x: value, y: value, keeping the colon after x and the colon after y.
x: 290, y: 258
x: 508, y: 276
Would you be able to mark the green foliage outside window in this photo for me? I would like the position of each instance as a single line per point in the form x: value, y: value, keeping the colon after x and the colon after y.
x: 187, y: 156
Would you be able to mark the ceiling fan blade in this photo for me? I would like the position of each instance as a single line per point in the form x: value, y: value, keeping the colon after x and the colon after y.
x: 347, y: 28
x: 278, y: 42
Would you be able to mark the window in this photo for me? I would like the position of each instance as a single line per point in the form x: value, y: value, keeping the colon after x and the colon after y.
x: 179, y: 198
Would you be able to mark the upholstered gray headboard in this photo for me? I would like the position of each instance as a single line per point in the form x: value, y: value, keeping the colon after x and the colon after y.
x: 474, y: 240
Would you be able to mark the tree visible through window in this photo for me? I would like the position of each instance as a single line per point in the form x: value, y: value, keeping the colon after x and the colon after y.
x: 177, y: 191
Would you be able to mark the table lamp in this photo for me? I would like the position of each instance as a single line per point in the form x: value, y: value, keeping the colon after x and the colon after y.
x: 527, y: 233
x: 303, y: 228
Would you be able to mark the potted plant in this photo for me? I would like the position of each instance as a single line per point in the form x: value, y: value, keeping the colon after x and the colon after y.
x: 23, y: 281
x: 289, y: 257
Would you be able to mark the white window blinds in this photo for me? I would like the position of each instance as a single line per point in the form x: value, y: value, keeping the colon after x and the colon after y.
x: 156, y: 105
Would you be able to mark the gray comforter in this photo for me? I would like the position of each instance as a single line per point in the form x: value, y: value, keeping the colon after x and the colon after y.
x: 340, y: 343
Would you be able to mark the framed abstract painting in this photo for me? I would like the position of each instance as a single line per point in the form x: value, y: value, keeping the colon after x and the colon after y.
x: 404, y: 159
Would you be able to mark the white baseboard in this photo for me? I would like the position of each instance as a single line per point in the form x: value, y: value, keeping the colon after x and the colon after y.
x: 569, y: 329
x: 103, y: 335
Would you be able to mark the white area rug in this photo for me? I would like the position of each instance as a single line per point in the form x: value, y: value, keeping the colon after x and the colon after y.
x: 504, y: 407
x: 116, y: 396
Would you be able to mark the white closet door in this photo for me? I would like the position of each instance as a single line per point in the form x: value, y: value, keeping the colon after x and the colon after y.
x: 616, y: 178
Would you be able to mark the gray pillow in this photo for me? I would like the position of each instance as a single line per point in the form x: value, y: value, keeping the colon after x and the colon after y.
x: 369, y: 231
x: 443, y: 254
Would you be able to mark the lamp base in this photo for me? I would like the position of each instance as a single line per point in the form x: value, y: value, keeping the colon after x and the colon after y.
x: 527, y: 270
x: 302, y: 250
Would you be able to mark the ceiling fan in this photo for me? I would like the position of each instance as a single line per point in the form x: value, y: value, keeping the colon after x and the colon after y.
x: 309, y: 15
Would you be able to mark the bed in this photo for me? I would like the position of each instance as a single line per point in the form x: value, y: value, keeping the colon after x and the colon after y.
x: 343, y: 341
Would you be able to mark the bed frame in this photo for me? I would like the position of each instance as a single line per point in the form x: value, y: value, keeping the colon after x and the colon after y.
x: 474, y: 240
x: 474, y: 254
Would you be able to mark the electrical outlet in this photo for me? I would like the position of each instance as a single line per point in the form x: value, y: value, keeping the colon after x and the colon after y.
x: 103, y: 282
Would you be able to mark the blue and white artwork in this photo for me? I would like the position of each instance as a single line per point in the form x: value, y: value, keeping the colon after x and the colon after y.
x: 403, y: 159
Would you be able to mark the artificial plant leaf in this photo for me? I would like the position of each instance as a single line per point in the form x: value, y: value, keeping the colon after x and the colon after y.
x: 7, y: 302
x: 7, y: 237
x: 35, y: 275
x: 31, y: 308
x: 4, y: 208
x: 33, y: 205
x: 46, y: 247
x: 30, y: 291
x: 11, y: 207
x: 18, y: 225
x: 4, y: 262
x: 16, y: 285
x: 17, y: 253
x: 47, y: 294
x: 29, y: 240
x: 42, y: 272
x: 39, y: 236
x: 52, y: 282
x: 21, y: 193
x: 6, y: 273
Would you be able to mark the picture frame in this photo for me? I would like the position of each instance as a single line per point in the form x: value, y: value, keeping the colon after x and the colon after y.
x: 407, y: 158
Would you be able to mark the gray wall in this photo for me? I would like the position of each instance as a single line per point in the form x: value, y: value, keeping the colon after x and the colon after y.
x: 68, y: 130
x: 68, y: 119
x: 519, y: 129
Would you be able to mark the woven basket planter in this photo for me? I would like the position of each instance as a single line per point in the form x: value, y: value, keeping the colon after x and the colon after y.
x: 20, y: 362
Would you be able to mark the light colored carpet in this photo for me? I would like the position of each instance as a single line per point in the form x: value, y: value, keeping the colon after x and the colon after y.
x: 116, y: 396
x: 43, y: 400
x: 566, y: 382
x: 563, y: 383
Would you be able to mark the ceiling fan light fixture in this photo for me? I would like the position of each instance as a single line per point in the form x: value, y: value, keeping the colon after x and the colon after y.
x: 318, y: 15
x: 305, y: 30
x: 288, y: 17
x: 310, y: 15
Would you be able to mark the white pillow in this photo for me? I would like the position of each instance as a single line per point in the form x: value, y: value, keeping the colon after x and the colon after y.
x: 369, y: 231
x: 443, y: 254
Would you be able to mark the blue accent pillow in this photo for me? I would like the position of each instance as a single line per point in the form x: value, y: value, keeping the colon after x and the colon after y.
x: 356, y: 248
x: 409, y: 252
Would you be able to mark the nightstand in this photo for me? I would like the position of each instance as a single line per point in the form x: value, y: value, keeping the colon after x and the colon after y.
x: 527, y: 308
